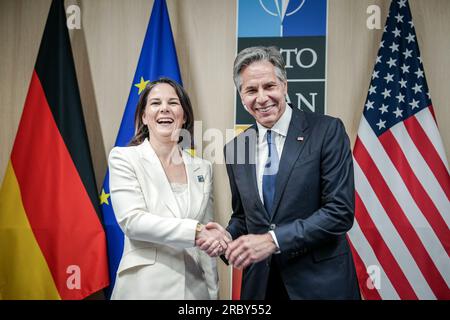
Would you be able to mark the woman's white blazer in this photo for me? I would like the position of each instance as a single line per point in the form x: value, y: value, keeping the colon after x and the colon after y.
x: 159, y: 237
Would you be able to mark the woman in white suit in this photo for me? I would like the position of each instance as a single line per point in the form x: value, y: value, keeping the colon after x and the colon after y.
x: 162, y: 196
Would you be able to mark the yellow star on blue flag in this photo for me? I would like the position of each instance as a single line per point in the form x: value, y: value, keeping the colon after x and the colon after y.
x: 104, y: 197
x: 141, y: 85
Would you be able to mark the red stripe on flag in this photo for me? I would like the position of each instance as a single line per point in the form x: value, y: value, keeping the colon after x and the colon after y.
x: 400, y: 221
x: 236, y: 283
x: 382, y: 252
x: 429, y: 153
x: 57, y: 205
x: 415, y: 188
x: 363, y: 277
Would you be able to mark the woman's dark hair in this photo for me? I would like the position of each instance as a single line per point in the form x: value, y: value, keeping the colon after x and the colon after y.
x: 141, y: 130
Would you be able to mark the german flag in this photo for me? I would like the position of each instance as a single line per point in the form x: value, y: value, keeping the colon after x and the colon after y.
x: 52, y: 243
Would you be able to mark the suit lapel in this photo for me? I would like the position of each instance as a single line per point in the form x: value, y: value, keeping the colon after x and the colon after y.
x: 291, y: 151
x: 195, y: 184
x: 157, y: 176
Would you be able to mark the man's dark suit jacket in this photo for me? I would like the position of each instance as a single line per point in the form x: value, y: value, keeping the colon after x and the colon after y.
x: 312, y: 210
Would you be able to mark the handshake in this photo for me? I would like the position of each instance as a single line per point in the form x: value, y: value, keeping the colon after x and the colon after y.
x: 241, y: 252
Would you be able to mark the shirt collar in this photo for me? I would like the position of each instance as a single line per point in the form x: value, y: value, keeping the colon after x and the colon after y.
x: 281, y: 126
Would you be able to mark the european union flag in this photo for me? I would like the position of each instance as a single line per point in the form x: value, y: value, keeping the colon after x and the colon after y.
x: 158, y: 59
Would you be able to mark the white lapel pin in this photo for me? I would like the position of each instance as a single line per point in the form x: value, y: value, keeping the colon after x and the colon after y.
x: 300, y: 138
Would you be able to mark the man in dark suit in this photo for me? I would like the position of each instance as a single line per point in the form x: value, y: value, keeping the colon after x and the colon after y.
x: 291, y: 178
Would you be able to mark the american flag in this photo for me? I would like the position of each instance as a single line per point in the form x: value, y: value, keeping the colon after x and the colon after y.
x: 400, y: 238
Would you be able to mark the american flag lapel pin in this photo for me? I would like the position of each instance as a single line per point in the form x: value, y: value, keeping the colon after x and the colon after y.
x: 300, y: 138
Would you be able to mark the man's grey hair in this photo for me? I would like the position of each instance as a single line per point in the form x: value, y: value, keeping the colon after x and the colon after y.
x: 254, y: 54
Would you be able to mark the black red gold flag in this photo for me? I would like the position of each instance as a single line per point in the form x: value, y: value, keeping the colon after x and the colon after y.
x: 52, y: 243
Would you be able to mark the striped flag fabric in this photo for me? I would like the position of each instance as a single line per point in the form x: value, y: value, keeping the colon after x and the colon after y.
x: 400, y: 238
x: 158, y: 58
x: 52, y: 243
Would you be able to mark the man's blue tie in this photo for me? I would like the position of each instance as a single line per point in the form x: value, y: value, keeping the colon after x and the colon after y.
x: 270, y: 172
